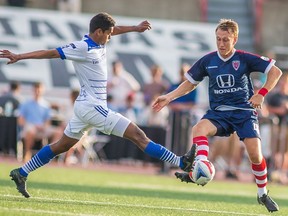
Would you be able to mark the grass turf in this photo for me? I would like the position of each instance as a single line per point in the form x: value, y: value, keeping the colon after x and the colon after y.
x: 66, y: 191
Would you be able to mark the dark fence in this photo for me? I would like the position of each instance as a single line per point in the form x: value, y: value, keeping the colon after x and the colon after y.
x: 8, y: 135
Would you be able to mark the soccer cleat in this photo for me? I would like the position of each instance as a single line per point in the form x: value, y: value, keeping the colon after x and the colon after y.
x: 20, y: 182
x: 189, y: 158
x: 184, y: 177
x: 268, y: 202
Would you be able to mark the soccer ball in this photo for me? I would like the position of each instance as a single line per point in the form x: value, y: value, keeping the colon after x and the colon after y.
x: 203, y: 171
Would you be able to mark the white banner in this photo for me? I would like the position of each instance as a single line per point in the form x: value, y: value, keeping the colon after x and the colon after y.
x: 168, y: 44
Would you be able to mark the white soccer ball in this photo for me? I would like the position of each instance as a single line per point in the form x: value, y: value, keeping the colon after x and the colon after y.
x: 203, y: 172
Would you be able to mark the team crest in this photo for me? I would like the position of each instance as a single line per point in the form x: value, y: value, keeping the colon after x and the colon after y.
x: 236, y: 64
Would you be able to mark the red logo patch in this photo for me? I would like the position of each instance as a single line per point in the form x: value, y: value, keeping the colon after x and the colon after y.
x: 236, y: 64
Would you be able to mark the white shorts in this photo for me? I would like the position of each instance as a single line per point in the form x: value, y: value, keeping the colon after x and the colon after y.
x: 87, y: 116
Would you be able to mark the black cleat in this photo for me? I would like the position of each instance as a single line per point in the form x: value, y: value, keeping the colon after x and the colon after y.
x: 20, y: 182
x: 184, y: 177
x: 189, y: 158
x: 268, y: 202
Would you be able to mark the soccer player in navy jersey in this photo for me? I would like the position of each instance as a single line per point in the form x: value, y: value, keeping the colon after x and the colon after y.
x: 90, y: 108
x: 233, y: 102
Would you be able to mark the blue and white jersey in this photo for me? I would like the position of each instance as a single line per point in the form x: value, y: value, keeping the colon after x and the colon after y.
x: 89, y: 61
x: 230, y: 85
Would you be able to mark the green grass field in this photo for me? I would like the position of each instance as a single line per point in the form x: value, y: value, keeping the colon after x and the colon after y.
x: 66, y: 191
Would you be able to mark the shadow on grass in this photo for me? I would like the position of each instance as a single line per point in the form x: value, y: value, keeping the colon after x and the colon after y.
x: 187, y: 196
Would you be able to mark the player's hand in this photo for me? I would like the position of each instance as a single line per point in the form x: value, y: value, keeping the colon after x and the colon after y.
x: 143, y: 26
x: 7, y: 54
x: 256, y: 101
x: 160, y: 102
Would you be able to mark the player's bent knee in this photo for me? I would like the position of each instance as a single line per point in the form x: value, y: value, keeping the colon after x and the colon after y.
x: 199, y: 131
x: 63, y: 145
x: 255, y: 159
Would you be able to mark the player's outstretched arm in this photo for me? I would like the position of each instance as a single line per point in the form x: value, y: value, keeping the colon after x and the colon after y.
x: 163, y: 100
x: 40, y: 54
x: 143, y: 26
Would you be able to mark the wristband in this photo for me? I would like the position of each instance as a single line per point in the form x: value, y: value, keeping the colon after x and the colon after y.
x: 263, y: 91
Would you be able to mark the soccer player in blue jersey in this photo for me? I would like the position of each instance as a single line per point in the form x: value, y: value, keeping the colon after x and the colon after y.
x: 90, y: 108
x: 233, y: 102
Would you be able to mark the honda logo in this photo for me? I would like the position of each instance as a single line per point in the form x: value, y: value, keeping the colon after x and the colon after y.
x: 225, y: 81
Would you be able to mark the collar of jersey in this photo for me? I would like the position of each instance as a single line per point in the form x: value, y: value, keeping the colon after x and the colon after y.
x: 92, y: 44
x: 226, y: 59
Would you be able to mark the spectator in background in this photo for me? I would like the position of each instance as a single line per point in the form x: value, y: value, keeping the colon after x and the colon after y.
x: 277, y: 100
x: 157, y: 86
x: 34, y: 118
x: 153, y: 118
x: 130, y: 111
x: 182, y: 114
x: 277, y: 104
x: 231, y: 150
x: 120, y: 85
x: 10, y: 101
x: 76, y: 152
x: 186, y: 102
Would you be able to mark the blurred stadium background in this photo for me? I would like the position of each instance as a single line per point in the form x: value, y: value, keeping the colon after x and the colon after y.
x: 182, y: 31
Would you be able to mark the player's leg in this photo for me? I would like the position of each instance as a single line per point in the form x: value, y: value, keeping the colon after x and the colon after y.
x: 129, y: 130
x: 72, y: 134
x: 248, y: 132
x: 259, y: 169
x: 200, y: 131
x: 47, y: 153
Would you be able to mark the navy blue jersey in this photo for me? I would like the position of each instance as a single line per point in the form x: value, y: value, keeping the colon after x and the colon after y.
x: 230, y: 85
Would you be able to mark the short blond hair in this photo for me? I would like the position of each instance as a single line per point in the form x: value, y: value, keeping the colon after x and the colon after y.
x: 228, y: 25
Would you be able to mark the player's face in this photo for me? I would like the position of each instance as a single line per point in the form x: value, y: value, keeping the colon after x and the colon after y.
x: 105, y: 36
x: 225, y: 42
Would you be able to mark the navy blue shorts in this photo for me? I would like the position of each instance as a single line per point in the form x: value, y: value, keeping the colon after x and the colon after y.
x: 244, y: 122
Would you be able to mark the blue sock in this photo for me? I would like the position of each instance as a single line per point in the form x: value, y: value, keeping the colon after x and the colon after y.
x: 160, y: 152
x: 40, y: 159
